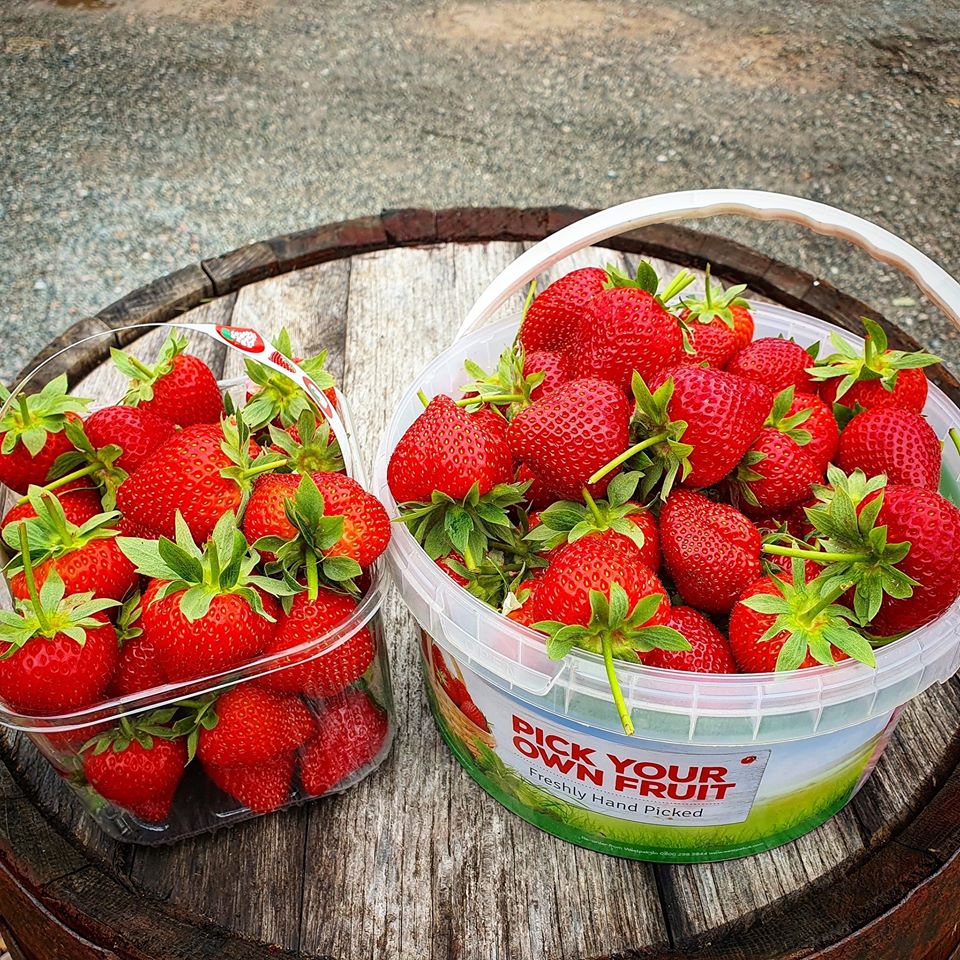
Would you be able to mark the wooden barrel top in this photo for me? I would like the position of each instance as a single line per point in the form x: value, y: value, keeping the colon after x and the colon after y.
x: 417, y: 862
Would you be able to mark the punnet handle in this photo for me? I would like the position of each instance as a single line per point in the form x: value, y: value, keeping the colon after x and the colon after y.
x: 821, y: 218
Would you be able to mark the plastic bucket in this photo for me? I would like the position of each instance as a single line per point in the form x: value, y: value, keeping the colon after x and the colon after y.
x: 721, y: 765
x: 199, y: 805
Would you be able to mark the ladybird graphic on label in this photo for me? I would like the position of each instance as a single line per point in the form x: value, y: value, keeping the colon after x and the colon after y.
x: 242, y: 337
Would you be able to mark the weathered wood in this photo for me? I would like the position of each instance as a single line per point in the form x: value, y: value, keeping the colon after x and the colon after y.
x: 417, y: 860
x: 157, y: 302
x: 65, y: 354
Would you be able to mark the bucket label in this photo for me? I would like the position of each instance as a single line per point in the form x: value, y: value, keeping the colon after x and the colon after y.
x: 634, y: 781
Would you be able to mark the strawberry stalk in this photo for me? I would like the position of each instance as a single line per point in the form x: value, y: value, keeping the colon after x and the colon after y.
x: 310, y: 565
x: 955, y: 437
x: 627, y: 454
x: 494, y: 398
x: 423, y: 398
x: 618, y: 699
x: 63, y: 481
x: 592, y: 504
x: 821, y: 556
x: 31, y: 581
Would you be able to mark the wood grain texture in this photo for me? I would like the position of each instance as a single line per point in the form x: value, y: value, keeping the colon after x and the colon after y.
x: 417, y: 861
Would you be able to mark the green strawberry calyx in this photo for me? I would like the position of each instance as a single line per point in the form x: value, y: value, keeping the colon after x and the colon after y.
x: 143, y: 376
x: 874, y: 362
x: 715, y: 304
x: 658, y: 452
x: 811, y: 619
x: 277, y: 396
x: 245, y: 468
x: 141, y: 729
x: 87, y: 461
x: 200, y: 714
x: 498, y: 579
x: 48, y: 612
x: 781, y: 419
x: 850, y: 546
x: 648, y: 280
x: 567, y: 521
x: 128, y: 619
x: 33, y: 417
x: 50, y: 534
x: 224, y: 565
x: 307, y: 554
x: 506, y: 389
x: 316, y: 451
x: 467, y: 526
x: 616, y: 633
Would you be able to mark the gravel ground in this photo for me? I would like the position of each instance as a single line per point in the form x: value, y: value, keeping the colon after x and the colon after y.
x: 140, y: 135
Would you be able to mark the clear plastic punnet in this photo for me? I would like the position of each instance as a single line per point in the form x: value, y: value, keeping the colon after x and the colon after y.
x: 309, y: 760
x: 720, y: 765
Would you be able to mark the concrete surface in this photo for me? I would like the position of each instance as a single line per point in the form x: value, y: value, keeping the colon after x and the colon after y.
x: 139, y: 135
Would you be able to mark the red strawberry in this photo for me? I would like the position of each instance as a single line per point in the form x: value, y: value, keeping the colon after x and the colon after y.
x: 552, y: 321
x: 538, y: 494
x: 626, y: 329
x: 350, y: 732
x: 440, y: 668
x: 31, y: 432
x: 931, y: 525
x: 557, y: 369
x: 893, y: 441
x: 712, y: 323
x: 874, y: 376
x: 79, y: 506
x: 775, y: 473
x: 332, y: 670
x: 566, y: 436
x: 492, y: 422
x: 709, y: 651
x: 136, y: 430
x: 712, y: 343
x: 697, y: 425
x: 205, y: 611
x: 137, y: 766
x: 443, y: 564
x: 253, y: 726
x: 45, y: 670
x: 445, y: 450
x: 818, y: 423
x: 596, y: 597
x: 456, y: 690
x: 742, y: 325
x: 261, y: 787
x: 366, y: 526
x: 179, y: 387
x: 804, y: 634
x: 137, y: 669
x: 526, y: 613
x: 228, y: 634
x: 589, y: 564
x: 711, y: 550
x: 776, y: 363
x: 203, y: 471
x: 85, y: 558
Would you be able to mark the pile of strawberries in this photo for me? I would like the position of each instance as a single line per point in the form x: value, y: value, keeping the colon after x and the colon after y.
x: 171, y: 538
x: 642, y: 479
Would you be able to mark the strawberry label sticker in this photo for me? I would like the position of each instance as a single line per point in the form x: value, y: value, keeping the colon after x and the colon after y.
x: 242, y: 337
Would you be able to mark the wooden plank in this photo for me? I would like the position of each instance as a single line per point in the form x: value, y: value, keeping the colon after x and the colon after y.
x: 912, y: 765
x: 420, y: 822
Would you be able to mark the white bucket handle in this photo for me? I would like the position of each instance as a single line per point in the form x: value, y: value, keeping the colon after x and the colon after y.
x: 821, y: 218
